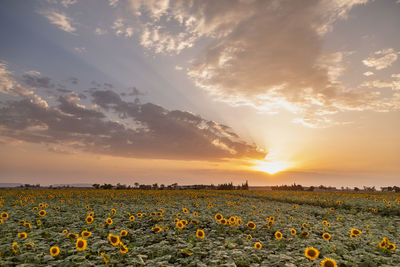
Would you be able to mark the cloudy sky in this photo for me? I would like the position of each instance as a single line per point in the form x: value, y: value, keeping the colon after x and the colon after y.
x: 203, y: 91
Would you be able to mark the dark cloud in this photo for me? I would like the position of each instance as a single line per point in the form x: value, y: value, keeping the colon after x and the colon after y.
x: 37, y: 81
x: 145, y: 130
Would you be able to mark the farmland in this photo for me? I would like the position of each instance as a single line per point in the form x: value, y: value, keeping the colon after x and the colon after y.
x: 198, y: 228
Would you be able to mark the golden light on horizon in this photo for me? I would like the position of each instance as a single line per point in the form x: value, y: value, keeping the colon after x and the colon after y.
x: 271, y: 167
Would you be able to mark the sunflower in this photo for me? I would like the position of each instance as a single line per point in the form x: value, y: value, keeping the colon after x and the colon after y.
x: 324, y: 222
x: 251, y: 225
x: 271, y: 219
x: 353, y: 236
x: 223, y: 221
x: 81, y: 244
x: 38, y: 222
x: 304, y: 225
x: 89, y: 219
x: 239, y: 221
x: 65, y: 231
x: 86, y: 233
x: 15, y: 247
x: 311, y: 253
x: 113, y: 211
x: 139, y: 215
x: 156, y: 229
x: 355, y: 232
x: 114, y: 239
x: 54, y: 251
x: 326, y: 236
x: 218, y: 217
x: 184, y: 222
x: 132, y: 218
x: 28, y: 225
x: 105, y: 258
x: 195, y: 214
x: 185, y: 210
x: 1, y: 221
x: 391, y: 246
x: 278, y: 235
x: 109, y: 221
x: 176, y: 220
x: 30, y: 245
x: 258, y: 245
x: 22, y: 235
x: 232, y: 220
x: 153, y: 213
x: 200, y: 233
x: 249, y: 237
x: 91, y: 214
x: 305, y: 234
x: 339, y: 219
x: 122, y: 248
x: 180, y: 225
x: 327, y: 262
x: 72, y: 235
x: 42, y: 213
x: 159, y: 213
x: 123, y: 233
x: 293, y: 231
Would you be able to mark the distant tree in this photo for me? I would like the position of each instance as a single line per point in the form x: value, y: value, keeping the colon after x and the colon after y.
x: 162, y: 186
x: 155, y: 186
x: 356, y: 189
x: 96, y: 186
x: 311, y: 188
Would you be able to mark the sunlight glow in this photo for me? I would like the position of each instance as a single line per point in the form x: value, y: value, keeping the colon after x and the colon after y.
x: 271, y: 167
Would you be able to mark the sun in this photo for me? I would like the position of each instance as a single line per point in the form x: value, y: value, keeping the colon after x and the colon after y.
x: 271, y: 167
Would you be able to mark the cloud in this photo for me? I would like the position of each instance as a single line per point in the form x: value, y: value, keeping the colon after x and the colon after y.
x: 61, y: 20
x: 140, y: 130
x: 121, y: 29
x: 99, y: 31
x: 80, y: 49
x: 34, y: 80
x: 368, y: 73
x: 8, y: 84
x: 381, y: 59
x: 113, y: 3
x: 67, y: 3
x: 263, y: 54
x: 394, y: 84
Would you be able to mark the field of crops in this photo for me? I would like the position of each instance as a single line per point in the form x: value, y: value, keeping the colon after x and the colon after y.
x: 198, y: 228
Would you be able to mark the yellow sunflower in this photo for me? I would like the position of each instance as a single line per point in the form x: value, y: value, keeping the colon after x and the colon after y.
x: 278, y: 235
x: 22, y: 235
x: 200, y: 233
x: 54, y: 251
x: 326, y: 236
x: 293, y: 231
x: 132, y: 218
x: 86, y: 233
x: 15, y: 247
x: 251, y: 225
x: 156, y: 229
x: 195, y: 214
x: 81, y: 244
x: 258, y: 245
x: 91, y: 214
x: 114, y: 239
x: 65, y: 231
x: 311, y: 253
x: 218, y: 217
x: 89, y: 219
x: 185, y: 210
x: 42, y: 213
x: 305, y: 234
x: 123, y: 233
x: 327, y: 262
x: 109, y: 221
x: 355, y: 232
x: 223, y: 221
x: 391, y: 246
x: 180, y: 225
x: 122, y: 248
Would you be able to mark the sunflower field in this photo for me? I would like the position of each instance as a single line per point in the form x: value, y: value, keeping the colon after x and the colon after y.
x: 71, y: 227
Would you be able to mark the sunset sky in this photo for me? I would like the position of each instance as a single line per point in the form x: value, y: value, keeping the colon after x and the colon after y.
x: 200, y: 92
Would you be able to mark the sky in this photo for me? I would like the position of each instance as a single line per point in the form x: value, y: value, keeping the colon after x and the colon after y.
x: 200, y: 92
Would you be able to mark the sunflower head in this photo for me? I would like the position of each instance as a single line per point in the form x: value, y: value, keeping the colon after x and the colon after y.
x: 180, y: 225
x: 156, y: 229
x: 278, y: 235
x: 195, y: 214
x: 22, y: 235
x: 200, y: 233
x: 327, y: 262
x: 218, y: 217
x: 251, y: 225
x: 86, y: 233
x: 89, y: 219
x: 382, y: 244
x: 114, y: 239
x: 258, y: 245
x: 391, y: 246
x: 326, y: 236
x: 54, y: 251
x: 65, y: 231
x: 42, y: 213
x: 109, y: 221
x: 15, y: 247
x: 81, y: 244
x: 122, y: 248
x: 293, y: 231
x: 123, y: 233
x: 355, y: 232
x: 223, y: 221
x: 185, y: 210
x: 311, y: 253
x: 132, y: 218
x: 4, y: 215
